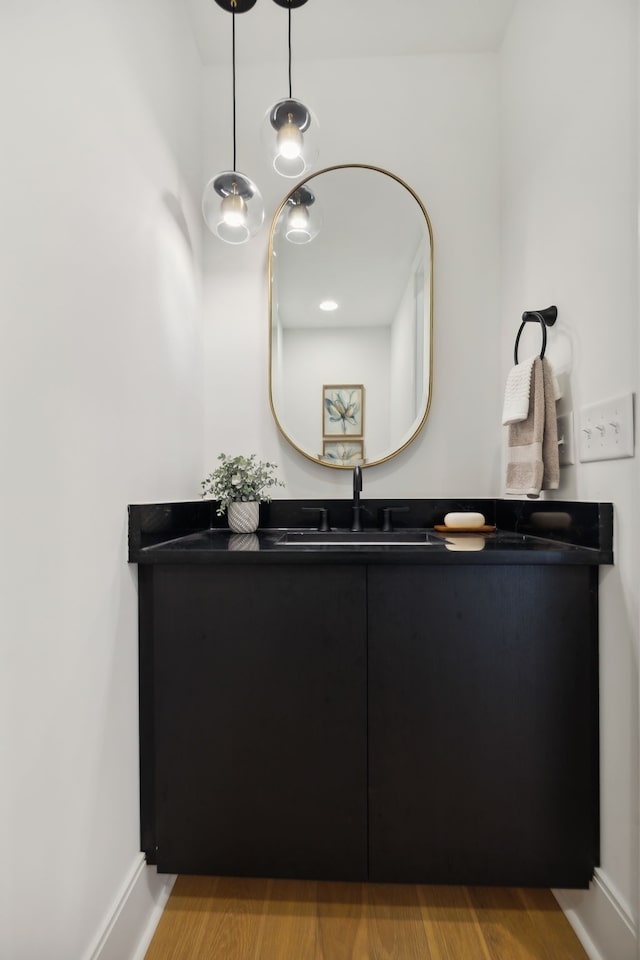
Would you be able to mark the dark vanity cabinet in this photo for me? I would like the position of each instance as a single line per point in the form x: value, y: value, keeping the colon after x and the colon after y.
x: 388, y: 721
x: 483, y: 729
x: 254, y: 680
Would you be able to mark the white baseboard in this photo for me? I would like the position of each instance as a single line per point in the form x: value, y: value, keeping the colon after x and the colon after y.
x: 134, y: 916
x: 601, y: 920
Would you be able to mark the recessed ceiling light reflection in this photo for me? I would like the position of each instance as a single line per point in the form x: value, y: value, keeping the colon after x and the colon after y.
x: 328, y: 305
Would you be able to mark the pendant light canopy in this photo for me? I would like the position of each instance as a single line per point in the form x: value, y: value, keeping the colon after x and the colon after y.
x: 290, y: 129
x: 232, y: 206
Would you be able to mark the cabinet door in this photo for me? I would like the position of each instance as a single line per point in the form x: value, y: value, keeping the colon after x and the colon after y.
x: 260, y: 720
x: 483, y: 725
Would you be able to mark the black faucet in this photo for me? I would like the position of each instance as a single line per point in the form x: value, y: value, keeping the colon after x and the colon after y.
x: 356, y: 524
x: 323, y: 512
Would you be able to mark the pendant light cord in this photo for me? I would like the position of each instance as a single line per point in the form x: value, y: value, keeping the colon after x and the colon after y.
x: 233, y: 66
x: 289, y: 49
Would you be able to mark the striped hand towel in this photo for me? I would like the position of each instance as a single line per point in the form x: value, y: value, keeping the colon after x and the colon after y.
x: 533, y: 443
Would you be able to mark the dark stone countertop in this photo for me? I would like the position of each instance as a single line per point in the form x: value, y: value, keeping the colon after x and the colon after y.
x: 527, y: 532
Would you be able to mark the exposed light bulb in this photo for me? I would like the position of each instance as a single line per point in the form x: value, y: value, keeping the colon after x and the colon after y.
x: 234, y: 210
x: 298, y: 217
x: 299, y: 228
x: 289, y: 140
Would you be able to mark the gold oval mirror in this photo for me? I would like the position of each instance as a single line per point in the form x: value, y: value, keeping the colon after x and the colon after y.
x: 351, y: 316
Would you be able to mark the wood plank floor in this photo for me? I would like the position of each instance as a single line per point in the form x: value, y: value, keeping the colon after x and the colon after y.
x: 209, y: 918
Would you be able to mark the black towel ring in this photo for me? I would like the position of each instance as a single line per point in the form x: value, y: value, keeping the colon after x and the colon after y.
x: 546, y: 318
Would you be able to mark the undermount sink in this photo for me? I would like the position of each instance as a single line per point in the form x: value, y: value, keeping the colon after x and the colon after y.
x: 349, y: 538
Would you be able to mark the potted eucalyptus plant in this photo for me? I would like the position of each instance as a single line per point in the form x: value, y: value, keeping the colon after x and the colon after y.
x: 240, y: 485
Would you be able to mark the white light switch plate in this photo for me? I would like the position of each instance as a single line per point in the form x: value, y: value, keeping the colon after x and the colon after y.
x: 605, y: 430
x: 566, y: 456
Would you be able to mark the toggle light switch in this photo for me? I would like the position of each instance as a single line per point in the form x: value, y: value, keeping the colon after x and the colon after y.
x: 606, y: 430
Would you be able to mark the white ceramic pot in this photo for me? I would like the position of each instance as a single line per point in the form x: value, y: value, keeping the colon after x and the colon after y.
x: 243, y: 516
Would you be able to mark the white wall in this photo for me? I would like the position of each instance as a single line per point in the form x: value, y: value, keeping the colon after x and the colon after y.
x: 100, y: 405
x: 569, y: 108
x: 432, y: 120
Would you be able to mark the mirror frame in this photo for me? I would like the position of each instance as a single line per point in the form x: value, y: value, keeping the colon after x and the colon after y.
x: 274, y: 223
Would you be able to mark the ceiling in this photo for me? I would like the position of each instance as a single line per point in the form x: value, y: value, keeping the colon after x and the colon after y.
x: 332, y: 29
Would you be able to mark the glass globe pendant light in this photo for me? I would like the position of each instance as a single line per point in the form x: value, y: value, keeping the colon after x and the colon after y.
x: 290, y: 129
x: 232, y: 206
x: 302, y: 222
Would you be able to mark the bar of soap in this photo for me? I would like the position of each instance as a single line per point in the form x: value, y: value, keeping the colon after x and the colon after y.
x: 463, y: 520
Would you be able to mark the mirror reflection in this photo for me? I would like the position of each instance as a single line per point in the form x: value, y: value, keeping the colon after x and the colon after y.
x: 350, y: 259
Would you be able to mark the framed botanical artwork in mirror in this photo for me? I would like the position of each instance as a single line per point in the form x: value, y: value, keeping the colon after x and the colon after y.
x: 343, y: 410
